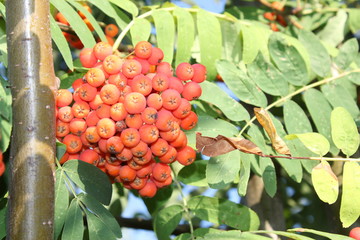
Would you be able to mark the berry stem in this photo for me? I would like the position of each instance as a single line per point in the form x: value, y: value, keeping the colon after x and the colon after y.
x: 301, y: 90
x: 186, y: 208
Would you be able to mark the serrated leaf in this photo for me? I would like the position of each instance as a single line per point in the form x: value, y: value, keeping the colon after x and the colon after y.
x: 127, y: 5
x: 347, y: 54
x: 103, y: 215
x: 344, y: 131
x: 221, y: 211
x: 231, y: 41
x: 319, y: 57
x: 208, y: 28
x: 74, y: 225
x: 296, y: 121
x: 239, y: 83
x: 223, y: 169
x: 339, y: 96
x: 320, y: 111
x: 315, y: 142
x: 334, y: 31
x: 268, y: 77
x: 98, y: 230
x: 91, y: 19
x: 167, y: 220
x: 233, y: 110
x: 233, y: 235
x: 244, y: 174
x: 121, y: 19
x: 90, y: 179
x: 155, y: 203
x: 350, y: 199
x: 325, y: 182
x: 331, y: 236
x: 3, y: 211
x: 61, y: 43
x: 80, y: 28
x: 194, y: 174
x: 165, y: 33
x: 354, y: 19
x: 288, y: 59
x: 140, y: 31
x: 61, y: 202
x: 185, y: 35
x: 210, y: 127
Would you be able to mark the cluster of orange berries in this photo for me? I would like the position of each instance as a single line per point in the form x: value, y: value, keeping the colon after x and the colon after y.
x: 111, y: 30
x: 127, y: 116
x: 274, y: 17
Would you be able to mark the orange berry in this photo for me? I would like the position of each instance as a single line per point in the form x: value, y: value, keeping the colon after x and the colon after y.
x: 73, y: 143
x: 60, y: 18
x: 190, y: 121
x: 80, y: 109
x: 140, y: 149
x: 62, y: 128
x: 114, y: 145
x: 184, y: 71
x: 109, y: 94
x: 112, y: 64
x: 131, y: 68
x: 89, y: 156
x: 154, y: 100
x: 92, y: 119
x: 156, y: 56
x: 169, y: 156
x: 165, y: 67
x: 111, y: 30
x: 96, y: 102
x: 95, y: 77
x: 183, y: 110
x: 143, y: 49
x: 134, y: 120
x: 92, y: 135
x: 192, y: 91
x: 144, y: 159
x: 118, y: 80
x: 186, y: 155
x: 65, y: 114
x: 138, y: 183
x: 161, y: 172
x: 149, y: 115
x: 88, y: 24
x: 77, y: 126
x: 87, y: 92
x: 171, y: 99
x: 160, y: 82
x: 177, y: 84
x: 148, y: 133
x: 149, y: 190
x: 81, y: 14
x: 134, y: 102
x: 130, y: 137
x: 102, y: 50
x: 159, y: 147
x: 141, y: 84
x: 124, y: 155
x: 180, y: 141
x: 106, y: 128
x: 63, y: 97
x: 199, y: 73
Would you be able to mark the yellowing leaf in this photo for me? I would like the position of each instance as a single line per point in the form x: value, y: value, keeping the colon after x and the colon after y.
x: 325, y: 182
x: 265, y: 120
x: 315, y: 142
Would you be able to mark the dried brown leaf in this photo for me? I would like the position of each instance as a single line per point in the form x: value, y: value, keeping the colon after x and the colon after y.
x: 212, y: 147
x: 266, y: 122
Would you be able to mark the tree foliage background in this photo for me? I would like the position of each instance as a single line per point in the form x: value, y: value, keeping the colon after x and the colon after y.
x: 304, y: 77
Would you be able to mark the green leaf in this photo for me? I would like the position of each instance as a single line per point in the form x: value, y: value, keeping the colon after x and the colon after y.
x: 61, y: 43
x: 165, y: 33
x: 231, y: 41
x: 127, y: 5
x: 3, y: 211
x: 233, y: 235
x: 251, y: 40
x: 319, y: 233
x: 3, y: 10
x: 74, y: 225
x: 91, y: 19
x: 185, y: 35
x: 354, y: 77
x: 211, y: 127
x: 268, y: 175
x: 208, y: 28
x: 221, y: 211
x: 293, y: 236
x: 319, y: 57
x: 296, y: 121
x: 350, y: 199
x: 245, y: 167
x: 238, y: 82
x: 61, y: 202
x: 155, y: 203
x: 5, y: 100
x: 121, y: 19
x: 60, y: 150
x: 315, y: 142
x: 335, y: 29
x: 344, y: 131
x: 347, y: 54
x: 325, y: 182
x: 320, y: 111
x: 354, y: 19
x: 268, y: 77
x: 98, y: 230
x: 90, y: 179
x: 167, y: 220
x: 80, y: 28
x: 288, y: 59
x: 194, y: 174
x: 222, y: 170
x: 68, y: 79
x: 232, y: 109
x: 183, y: 236
x: 103, y: 215
x: 140, y: 31
x: 339, y: 96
